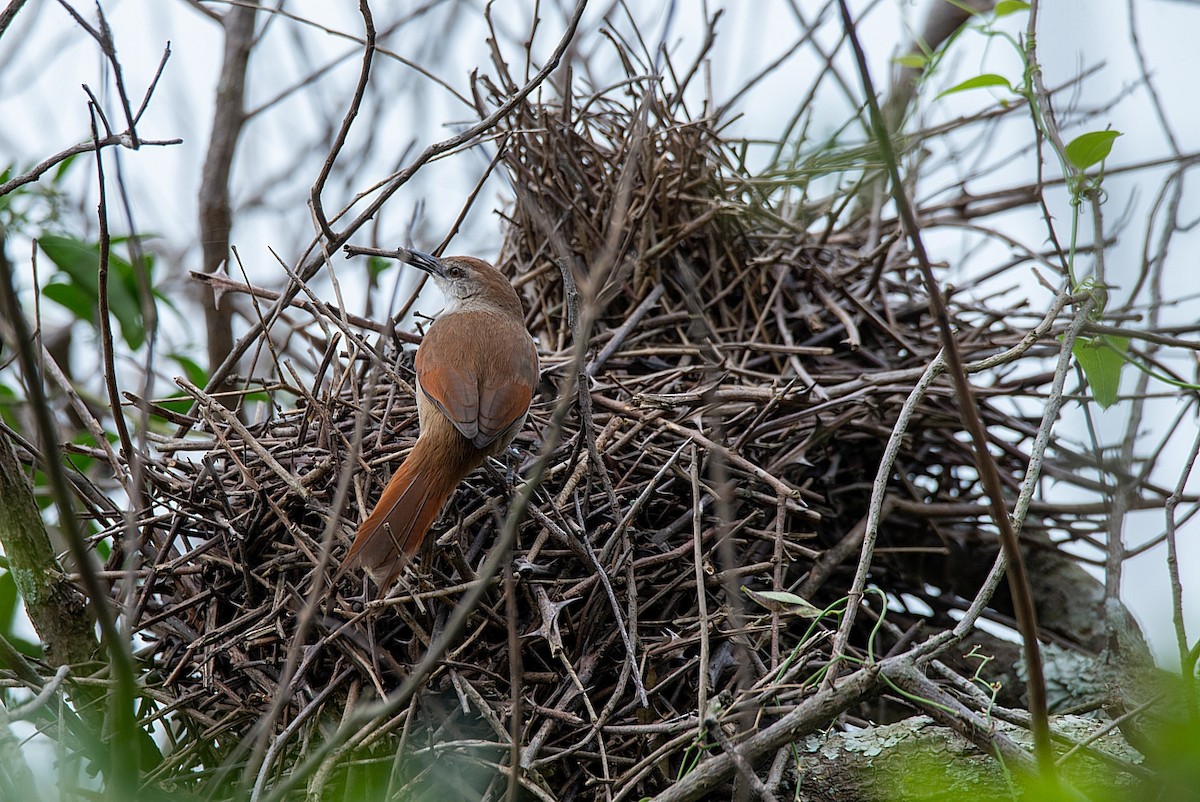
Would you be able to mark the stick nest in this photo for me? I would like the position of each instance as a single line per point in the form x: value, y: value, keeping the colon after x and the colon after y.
x: 748, y: 350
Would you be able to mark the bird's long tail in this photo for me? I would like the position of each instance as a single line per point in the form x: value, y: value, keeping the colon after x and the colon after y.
x: 410, y: 503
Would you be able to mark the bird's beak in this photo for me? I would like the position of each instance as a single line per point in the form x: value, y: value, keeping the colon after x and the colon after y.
x: 422, y: 261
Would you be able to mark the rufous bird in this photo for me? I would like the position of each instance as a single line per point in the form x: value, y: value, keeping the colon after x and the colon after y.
x: 477, y: 367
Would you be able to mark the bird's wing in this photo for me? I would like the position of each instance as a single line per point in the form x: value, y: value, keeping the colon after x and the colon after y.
x: 483, y: 389
x: 505, y: 392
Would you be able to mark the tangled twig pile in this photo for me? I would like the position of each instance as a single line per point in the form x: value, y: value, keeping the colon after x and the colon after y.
x: 744, y: 367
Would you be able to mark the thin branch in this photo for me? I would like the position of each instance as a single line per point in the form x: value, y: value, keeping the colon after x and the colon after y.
x: 339, y: 141
x: 9, y: 14
x: 41, y: 168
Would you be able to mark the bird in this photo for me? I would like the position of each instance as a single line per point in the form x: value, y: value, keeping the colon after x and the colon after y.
x: 477, y: 368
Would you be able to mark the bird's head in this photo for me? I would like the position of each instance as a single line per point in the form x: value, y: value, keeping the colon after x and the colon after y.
x: 468, y: 283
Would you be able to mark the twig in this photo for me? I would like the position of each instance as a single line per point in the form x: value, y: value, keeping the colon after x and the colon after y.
x: 104, y: 318
x: 226, y: 417
x: 339, y: 141
x: 103, y: 36
x: 41, y: 168
x: 807, y: 716
x: 883, y: 477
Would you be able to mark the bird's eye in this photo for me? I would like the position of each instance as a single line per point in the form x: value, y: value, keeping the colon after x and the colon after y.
x: 454, y: 272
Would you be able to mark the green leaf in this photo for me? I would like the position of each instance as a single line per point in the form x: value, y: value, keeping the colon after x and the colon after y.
x: 915, y: 60
x: 1091, y: 148
x: 123, y: 300
x: 8, y: 602
x: 780, y: 601
x: 986, y: 80
x: 62, y: 169
x: 1006, y: 7
x: 80, y: 262
x: 1102, y: 359
x: 178, y: 403
x: 191, y: 369
x: 377, y: 264
x: 75, y: 299
x: 8, y: 401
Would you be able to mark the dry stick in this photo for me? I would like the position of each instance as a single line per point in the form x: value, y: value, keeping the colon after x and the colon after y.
x: 134, y: 479
x: 875, y: 509
x: 229, y: 419
x: 620, y: 334
x: 452, y: 232
x: 389, y: 188
x: 948, y: 711
x: 624, y: 629
x: 338, y: 34
x: 811, y: 714
x: 41, y: 168
x: 313, y: 707
x: 336, y: 314
x: 123, y: 699
x: 14, y: 661
x: 28, y: 709
x: 1147, y: 775
x: 104, y: 38
x: 986, y: 466
x: 580, y: 322
x: 1122, y: 496
x: 1174, y: 180
x: 1054, y: 403
x: 262, y: 753
x: 9, y: 14
x: 222, y: 283
x: 104, y: 318
x: 1123, y: 492
x: 55, y: 374
x: 1092, y: 327
x: 701, y: 592
x: 780, y: 486
x: 316, y: 74
x: 745, y: 771
x: 589, y: 431
x: 162, y: 65
x: 339, y: 141
x: 1021, y: 507
x: 1187, y: 660
x: 138, y: 490
x: 515, y: 669
x: 745, y: 657
x: 1021, y: 719
x: 17, y: 774
x: 840, y: 392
